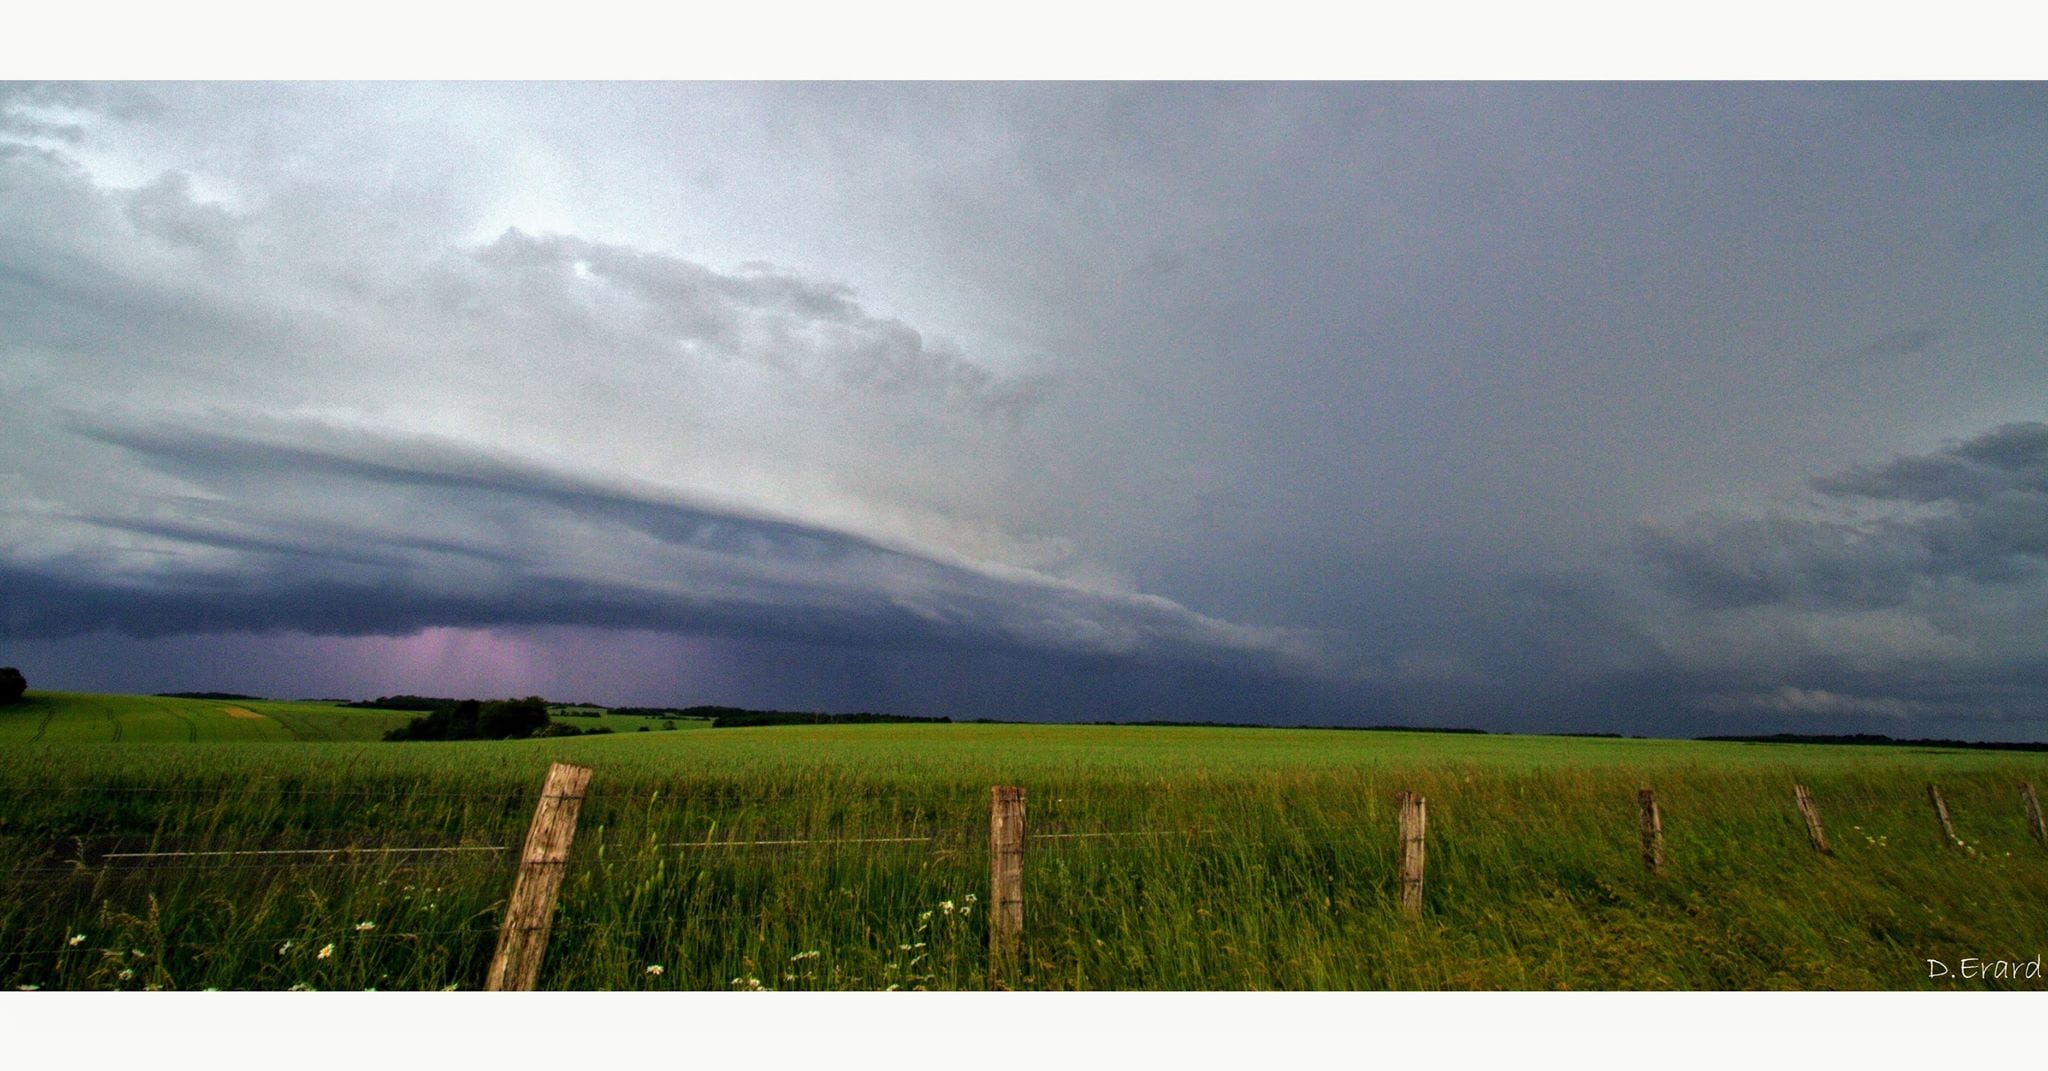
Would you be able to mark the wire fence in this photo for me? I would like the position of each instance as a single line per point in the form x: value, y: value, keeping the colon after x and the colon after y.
x: 112, y: 850
x: 89, y: 858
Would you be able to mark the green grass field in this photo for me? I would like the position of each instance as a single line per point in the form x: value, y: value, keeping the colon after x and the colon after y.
x: 1160, y: 858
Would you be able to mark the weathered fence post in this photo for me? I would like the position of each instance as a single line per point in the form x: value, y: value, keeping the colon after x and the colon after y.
x: 1948, y: 829
x: 1811, y: 813
x: 2033, y: 803
x: 1005, y: 879
x: 1414, y: 821
x: 531, y: 913
x: 1653, y: 830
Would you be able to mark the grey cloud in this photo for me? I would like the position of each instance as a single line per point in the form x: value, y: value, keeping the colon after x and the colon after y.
x: 1736, y: 562
x: 18, y: 99
x: 1995, y: 467
x: 617, y: 355
x: 1989, y: 526
x: 166, y: 209
x: 1816, y: 704
x: 18, y: 125
x: 1918, y: 601
x: 799, y: 325
x: 1901, y: 343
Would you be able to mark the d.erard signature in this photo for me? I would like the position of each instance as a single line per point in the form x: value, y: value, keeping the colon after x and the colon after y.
x: 1973, y: 967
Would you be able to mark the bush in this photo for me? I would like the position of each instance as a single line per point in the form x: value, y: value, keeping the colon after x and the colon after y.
x: 12, y: 684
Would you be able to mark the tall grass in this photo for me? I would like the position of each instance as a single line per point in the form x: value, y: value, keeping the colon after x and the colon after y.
x: 1241, y: 860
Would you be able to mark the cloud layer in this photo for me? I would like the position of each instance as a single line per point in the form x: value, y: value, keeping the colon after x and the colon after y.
x: 1555, y: 406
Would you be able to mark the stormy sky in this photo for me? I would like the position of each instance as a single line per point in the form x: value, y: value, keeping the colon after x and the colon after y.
x: 1629, y: 407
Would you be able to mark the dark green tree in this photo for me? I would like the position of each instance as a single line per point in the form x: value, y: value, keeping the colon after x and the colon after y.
x: 511, y: 719
x: 12, y: 684
x: 499, y: 719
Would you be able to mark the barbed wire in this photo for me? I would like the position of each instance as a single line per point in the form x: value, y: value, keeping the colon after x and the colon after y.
x: 232, y: 789
x: 1963, y: 796
x: 842, y: 796
x: 951, y: 838
x: 945, y: 839
x: 76, y: 870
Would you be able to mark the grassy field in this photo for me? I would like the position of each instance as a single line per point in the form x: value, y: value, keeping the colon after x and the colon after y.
x: 64, y: 717
x: 1161, y: 858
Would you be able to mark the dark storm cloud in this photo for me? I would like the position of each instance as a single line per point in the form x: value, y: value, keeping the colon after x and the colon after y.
x: 434, y: 534
x: 1719, y: 564
x: 2004, y: 466
x: 1917, y: 603
x: 1990, y: 527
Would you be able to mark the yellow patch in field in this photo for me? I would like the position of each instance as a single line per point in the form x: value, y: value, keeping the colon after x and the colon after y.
x: 240, y: 712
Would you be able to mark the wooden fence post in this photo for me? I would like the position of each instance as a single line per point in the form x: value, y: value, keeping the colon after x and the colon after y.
x: 1414, y: 821
x: 1653, y: 831
x: 1948, y: 829
x: 1006, y: 880
x: 2033, y: 803
x: 1811, y: 813
x: 531, y: 913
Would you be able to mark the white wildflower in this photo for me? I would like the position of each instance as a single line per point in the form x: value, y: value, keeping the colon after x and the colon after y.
x: 812, y: 954
x: 76, y: 940
x: 126, y: 974
x: 654, y: 969
x: 365, y: 926
x: 326, y: 950
x: 283, y: 948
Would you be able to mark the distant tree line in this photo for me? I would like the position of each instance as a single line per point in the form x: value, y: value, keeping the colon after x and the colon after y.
x: 403, y: 702
x: 1878, y: 740
x: 736, y: 718
x: 208, y: 695
x: 12, y: 684
x: 472, y: 719
x: 1163, y: 723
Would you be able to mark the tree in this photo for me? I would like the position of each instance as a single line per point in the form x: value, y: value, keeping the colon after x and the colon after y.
x: 512, y: 719
x: 12, y: 684
x: 500, y: 719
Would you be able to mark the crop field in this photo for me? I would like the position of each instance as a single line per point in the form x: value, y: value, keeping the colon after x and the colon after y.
x: 175, y: 844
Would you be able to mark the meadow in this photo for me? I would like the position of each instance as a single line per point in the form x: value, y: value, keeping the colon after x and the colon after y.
x: 855, y: 857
